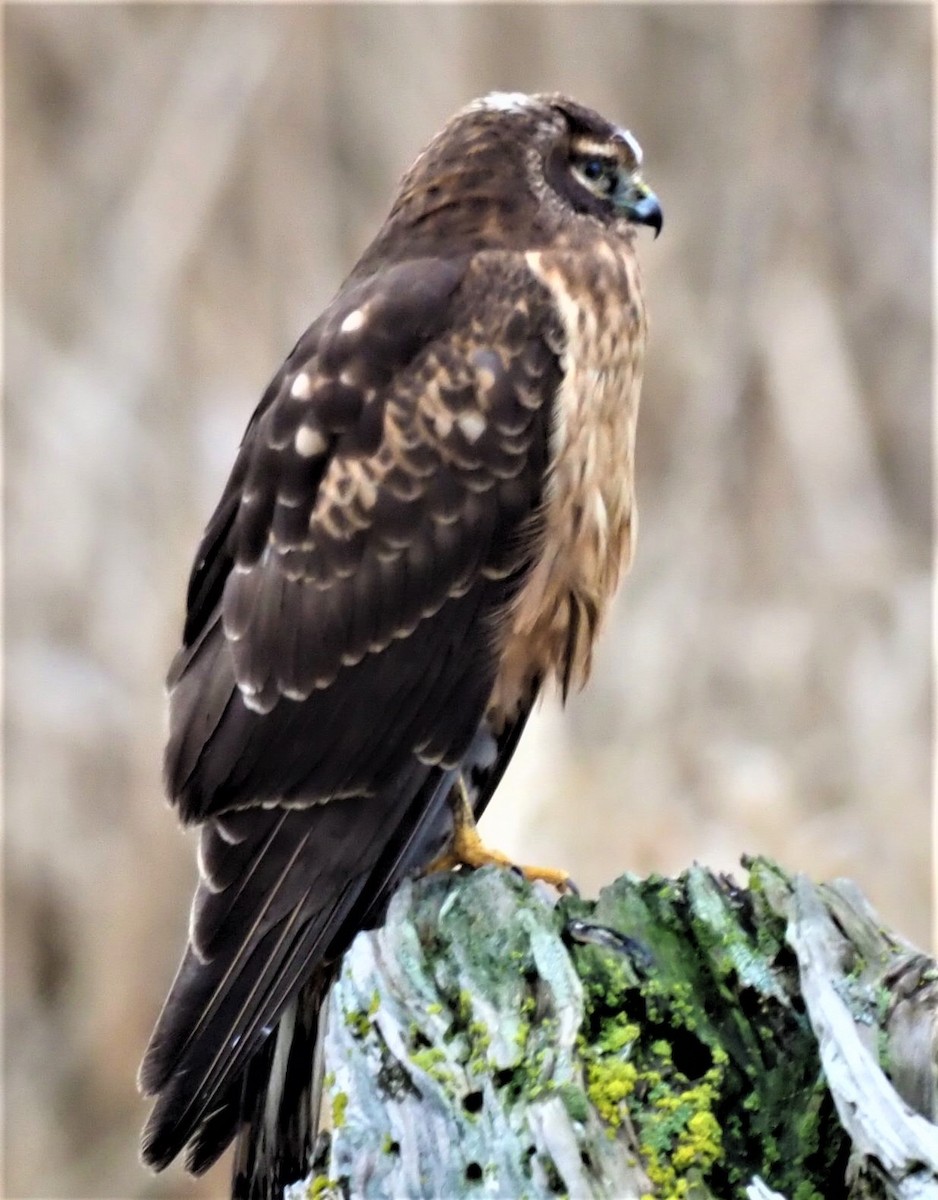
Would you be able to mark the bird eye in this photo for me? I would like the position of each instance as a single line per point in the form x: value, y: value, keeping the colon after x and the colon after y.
x: 598, y: 174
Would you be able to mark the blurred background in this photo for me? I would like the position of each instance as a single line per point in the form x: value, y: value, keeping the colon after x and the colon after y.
x: 185, y: 188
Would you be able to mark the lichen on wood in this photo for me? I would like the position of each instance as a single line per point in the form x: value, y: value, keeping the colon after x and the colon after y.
x: 683, y: 1038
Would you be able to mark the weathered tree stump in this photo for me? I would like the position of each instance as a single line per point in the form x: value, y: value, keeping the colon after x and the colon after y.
x: 677, y: 1038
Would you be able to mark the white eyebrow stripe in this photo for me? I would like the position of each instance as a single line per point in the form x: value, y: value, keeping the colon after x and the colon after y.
x: 587, y: 145
x: 606, y: 149
x: 632, y: 142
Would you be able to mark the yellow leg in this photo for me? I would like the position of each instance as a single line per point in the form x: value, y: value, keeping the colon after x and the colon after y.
x: 468, y: 850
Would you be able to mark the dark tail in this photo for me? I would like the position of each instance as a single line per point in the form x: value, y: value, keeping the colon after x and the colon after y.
x: 282, y: 1095
x: 280, y: 1101
x: 282, y: 892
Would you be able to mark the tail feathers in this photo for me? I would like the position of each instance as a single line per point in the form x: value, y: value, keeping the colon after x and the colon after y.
x: 252, y: 896
x: 219, y: 1127
x: 213, y: 1029
x: 280, y: 1101
x: 278, y: 896
x: 281, y: 894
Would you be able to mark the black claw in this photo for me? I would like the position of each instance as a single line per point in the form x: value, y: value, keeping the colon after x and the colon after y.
x: 589, y: 934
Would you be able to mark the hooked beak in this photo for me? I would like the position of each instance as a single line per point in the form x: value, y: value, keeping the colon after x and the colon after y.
x: 640, y: 204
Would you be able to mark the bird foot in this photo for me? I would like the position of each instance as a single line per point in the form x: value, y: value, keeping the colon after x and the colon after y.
x: 468, y: 850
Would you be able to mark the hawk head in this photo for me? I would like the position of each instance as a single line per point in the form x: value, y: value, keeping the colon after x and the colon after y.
x: 518, y: 171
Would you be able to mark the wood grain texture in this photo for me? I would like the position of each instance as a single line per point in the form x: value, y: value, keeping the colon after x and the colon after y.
x: 676, y: 1034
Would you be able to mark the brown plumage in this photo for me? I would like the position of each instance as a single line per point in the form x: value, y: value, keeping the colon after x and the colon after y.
x: 428, y: 514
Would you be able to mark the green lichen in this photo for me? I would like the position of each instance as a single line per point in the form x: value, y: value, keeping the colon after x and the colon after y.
x: 478, y: 1031
x: 616, y: 1035
x: 702, y: 1050
x: 575, y: 1101
x: 430, y: 1060
x: 479, y: 1040
x: 339, y: 1106
x: 464, y: 1008
x: 358, y: 1022
x: 425, y: 1059
x: 610, y: 1076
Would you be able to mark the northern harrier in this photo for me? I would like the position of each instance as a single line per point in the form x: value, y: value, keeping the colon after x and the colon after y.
x: 425, y: 522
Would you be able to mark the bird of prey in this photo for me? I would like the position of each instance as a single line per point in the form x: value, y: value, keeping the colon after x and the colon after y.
x: 425, y: 522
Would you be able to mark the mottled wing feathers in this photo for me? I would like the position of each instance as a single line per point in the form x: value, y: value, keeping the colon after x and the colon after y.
x: 381, y: 512
x: 321, y: 392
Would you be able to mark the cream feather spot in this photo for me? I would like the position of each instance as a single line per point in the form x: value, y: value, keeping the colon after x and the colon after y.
x: 302, y: 387
x: 255, y: 701
x: 472, y: 425
x: 309, y: 442
x: 443, y: 422
x: 354, y: 321
x: 367, y: 493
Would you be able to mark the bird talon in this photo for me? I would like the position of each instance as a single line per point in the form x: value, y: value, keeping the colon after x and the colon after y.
x: 554, y: 876
x: 468, y: 850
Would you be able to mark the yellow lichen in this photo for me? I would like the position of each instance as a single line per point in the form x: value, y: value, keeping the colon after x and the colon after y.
x: 608, y: 1084
x: 681, y: 1135
x: 321, y: 1187
x: 339, y: 1106
x: 701, y: 1143
x: 431, y: 1060
x: 616, y: 1036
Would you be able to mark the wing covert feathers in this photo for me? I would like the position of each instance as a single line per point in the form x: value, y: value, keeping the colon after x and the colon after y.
x: 382, y: 512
